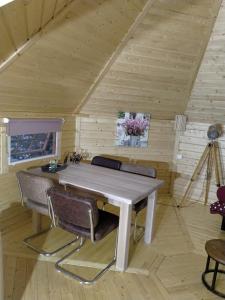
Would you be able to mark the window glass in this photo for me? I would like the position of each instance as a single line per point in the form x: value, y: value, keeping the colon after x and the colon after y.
x: 32, y: 146
x: 4, y: 2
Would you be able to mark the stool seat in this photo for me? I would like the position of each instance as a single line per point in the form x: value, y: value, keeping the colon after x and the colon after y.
x: 216, y: 250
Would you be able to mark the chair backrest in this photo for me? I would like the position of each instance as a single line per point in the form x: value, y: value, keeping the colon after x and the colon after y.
x: 138, y: 169
x: 106, y: 162
x: 34, y: 187
x: 70, y: 207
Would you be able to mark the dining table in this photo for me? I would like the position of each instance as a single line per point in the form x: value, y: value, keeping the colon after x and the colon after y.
x: 119, y: 188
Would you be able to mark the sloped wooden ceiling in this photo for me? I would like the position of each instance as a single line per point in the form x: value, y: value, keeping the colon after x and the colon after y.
x: 54, y: 74
x: 21, y: 19
x: 156, y: 70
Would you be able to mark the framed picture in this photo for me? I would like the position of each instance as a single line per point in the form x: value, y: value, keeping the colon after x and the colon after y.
x: 132, y: 129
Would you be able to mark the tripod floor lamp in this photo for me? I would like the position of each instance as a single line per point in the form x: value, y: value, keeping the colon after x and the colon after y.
x: 211, y: 157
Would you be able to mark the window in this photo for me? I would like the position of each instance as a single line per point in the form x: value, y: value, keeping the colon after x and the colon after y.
x: 31, y: 139
x: 4, y: 2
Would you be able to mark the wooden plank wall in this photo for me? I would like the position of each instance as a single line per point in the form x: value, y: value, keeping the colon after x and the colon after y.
x: 207, y: 99
x: 8, y: 184
x: 96, y: 135
x: 191, y: 146
x: 206, y: 107
x: 155, y: 70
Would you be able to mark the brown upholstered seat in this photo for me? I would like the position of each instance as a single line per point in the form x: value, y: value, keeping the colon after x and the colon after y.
x: 33, y: 190
x: 80, y: 215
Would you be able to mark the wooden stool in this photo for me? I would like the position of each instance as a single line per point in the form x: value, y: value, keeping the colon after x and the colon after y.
x: 215, y: 250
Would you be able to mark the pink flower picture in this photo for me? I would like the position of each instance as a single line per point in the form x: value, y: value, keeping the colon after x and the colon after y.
x: 132, y: 129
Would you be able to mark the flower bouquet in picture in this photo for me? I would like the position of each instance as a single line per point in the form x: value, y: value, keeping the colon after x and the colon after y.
x: 132, y: 129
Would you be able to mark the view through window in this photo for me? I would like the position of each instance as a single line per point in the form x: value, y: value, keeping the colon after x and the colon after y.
x: 32, y: 146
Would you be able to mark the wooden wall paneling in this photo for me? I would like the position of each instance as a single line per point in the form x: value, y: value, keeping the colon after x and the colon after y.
x: 114, y: 55
x: 60, y: 5
x: 7, y: 46
x: 34, y: 15
x: 96, y: 135
x: 207, y: 97
x: 15, y: 17
x: 191, y: 146
x: 48, y: 11
x: 158, y: 63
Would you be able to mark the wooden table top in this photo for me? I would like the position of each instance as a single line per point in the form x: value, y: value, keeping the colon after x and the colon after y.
x: 116, y: 185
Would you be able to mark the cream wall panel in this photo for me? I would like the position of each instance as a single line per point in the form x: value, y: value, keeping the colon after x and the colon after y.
x: 158, y: 65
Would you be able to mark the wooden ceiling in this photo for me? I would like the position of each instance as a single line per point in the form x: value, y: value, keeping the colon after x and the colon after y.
x: 20, y: 20
x: 154, y: 72
x: 54, y: 74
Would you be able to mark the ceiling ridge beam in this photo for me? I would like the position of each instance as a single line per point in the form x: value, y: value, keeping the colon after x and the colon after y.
x: 114, y: 55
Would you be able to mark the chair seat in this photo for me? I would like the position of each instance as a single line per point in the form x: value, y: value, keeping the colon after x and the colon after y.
x: 140, y: 205
x: 107, y: 223
x: 216, y: 250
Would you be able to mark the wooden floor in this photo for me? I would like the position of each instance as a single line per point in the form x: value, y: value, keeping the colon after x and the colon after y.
x: 170, y: 268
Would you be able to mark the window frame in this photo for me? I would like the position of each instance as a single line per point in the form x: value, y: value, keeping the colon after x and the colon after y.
x: 55, y: 155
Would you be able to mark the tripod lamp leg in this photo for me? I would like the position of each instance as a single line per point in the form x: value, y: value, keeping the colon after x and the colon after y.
x: 209, y: 173
x: 197, y: 171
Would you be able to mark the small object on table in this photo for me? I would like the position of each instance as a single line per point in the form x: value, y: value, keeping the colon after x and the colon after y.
x: 49, y: 168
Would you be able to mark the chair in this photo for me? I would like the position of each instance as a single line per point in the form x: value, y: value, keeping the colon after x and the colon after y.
x: 33, y: 190
x: 218, y: 207
x: 216, y: 251
x: 106, y: 162
x: 144, y: 171
x: 80, y: 215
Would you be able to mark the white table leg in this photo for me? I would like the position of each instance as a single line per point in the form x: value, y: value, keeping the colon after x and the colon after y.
x: 123, y: 236
x: 150, y: 214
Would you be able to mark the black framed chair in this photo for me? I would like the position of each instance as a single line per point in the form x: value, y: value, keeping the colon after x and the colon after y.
x: 33, y: 190
x: 138, y: 207
x: 106, y: 162
x: 80, y: 215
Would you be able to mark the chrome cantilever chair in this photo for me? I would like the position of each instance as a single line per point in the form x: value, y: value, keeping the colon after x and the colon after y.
x: 144, y: 171
x: 106, y: 162
x: 33, y: 190
x: 80, y: 215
